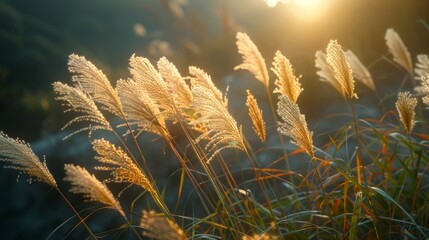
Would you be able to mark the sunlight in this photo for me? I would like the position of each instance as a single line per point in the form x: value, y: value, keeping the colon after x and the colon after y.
x: 305, y: 9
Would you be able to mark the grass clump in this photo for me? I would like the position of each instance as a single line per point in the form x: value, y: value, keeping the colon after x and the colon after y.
x: 368, y: 182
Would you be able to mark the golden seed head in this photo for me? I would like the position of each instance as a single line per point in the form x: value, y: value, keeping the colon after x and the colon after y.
x: 122, y: 168
x: 294, y: 125
x: 255, y: 114
x: 405, y: 106
x: 20, y: 157
x: 286, y: 83
x: 398, y: 49
x: 157, y: 226
x: 87, y: 184
x: 360, y: 72
x: 252, y: 58
x: 336, y: 58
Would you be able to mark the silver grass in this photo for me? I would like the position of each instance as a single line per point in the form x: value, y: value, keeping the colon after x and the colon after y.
x: 19, y: 156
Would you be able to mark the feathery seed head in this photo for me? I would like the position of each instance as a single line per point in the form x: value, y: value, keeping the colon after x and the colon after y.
x: 422, y: 66
x: 19, y: 156
x: 123, y: 169
x: 176, y: 85
x: 327, y: 73
x: 221, y: 127
x: 425, y: 89
x: 74, y: 99
x: 294, y: 125
x: 252, y: 58
x: 140, y: 109
x: 336, y: 58
x: 405, y: 106
x: 93, y: 82
x: 255, y: 114
x: 286, y: 83
x: 398, y: 49
x: 87, y: 184
x: 201, y: 78
x: 157, y: 226
x: 151, y: 81
x: 360, y: 72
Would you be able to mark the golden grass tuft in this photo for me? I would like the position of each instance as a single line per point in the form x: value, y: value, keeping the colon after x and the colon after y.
x: 123, y: 169
x: 222, y: 129
x: 405, y: 106
x: 326, y: 72
x: 75, y: 100
x: 397, y: 48
x: 140, y: 109
x: 294, y: 125
x: 425, y: 89
x: 252, y: 58
x: 201, y: 78
x: 255, y: 114
x: 175, y: 83
x: 157, y: 226
x: 149, y: 79
x: 360, y: 72
x: 286, y: 83
x: 336, y: 58
x: 94, y: 83
x: 87, y: 184
x: 20, y: 157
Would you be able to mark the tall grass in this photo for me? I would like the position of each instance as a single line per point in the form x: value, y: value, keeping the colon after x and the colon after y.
x: 370, y: 182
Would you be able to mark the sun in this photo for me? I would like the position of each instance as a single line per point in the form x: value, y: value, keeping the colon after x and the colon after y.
x: 304, y: 9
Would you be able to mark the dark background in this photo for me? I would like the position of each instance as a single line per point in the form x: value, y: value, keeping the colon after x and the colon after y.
x: 36, y: 38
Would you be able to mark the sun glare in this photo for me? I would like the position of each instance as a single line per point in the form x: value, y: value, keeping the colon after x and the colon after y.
x: 305, y: 9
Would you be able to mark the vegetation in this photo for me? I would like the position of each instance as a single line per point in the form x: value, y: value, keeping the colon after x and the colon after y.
x: 368, y: 182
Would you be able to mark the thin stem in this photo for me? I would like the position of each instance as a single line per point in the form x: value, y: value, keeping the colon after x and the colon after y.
x: 77, y: 214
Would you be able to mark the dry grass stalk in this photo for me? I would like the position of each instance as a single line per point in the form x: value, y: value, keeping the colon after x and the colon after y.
x: 175, y: 83
x: 157, y: 226
x: 123, y: 169
x: 336, y: 58
x: 263, y: 236
x: 201, y: 78
x: 255, y: 114
x: 360, y: 72
x: 87, y: 184
x: 77, y: 101
x: 94, y: 83
x: 139, y: 108
x: 222, y: 129
x: 286, y: 83
x: 398, y: 49
x: 151, y: 81
x: 405, y: 106
x: 20, y: 157
x: 294, y: 125
x: 252, y: 58
x: 326, y: 73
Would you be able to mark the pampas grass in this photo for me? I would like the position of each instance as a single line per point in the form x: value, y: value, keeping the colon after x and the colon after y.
x: 366, y: 184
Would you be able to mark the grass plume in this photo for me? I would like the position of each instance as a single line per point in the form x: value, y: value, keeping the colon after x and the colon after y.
x: 19, y: 156
x: 87, y: 184
x: 286, y: 83
x: 397, y: 48
x: 252, y: 58
x: 294, y: 125
x: 255, y: 114
x: 405, y: 106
